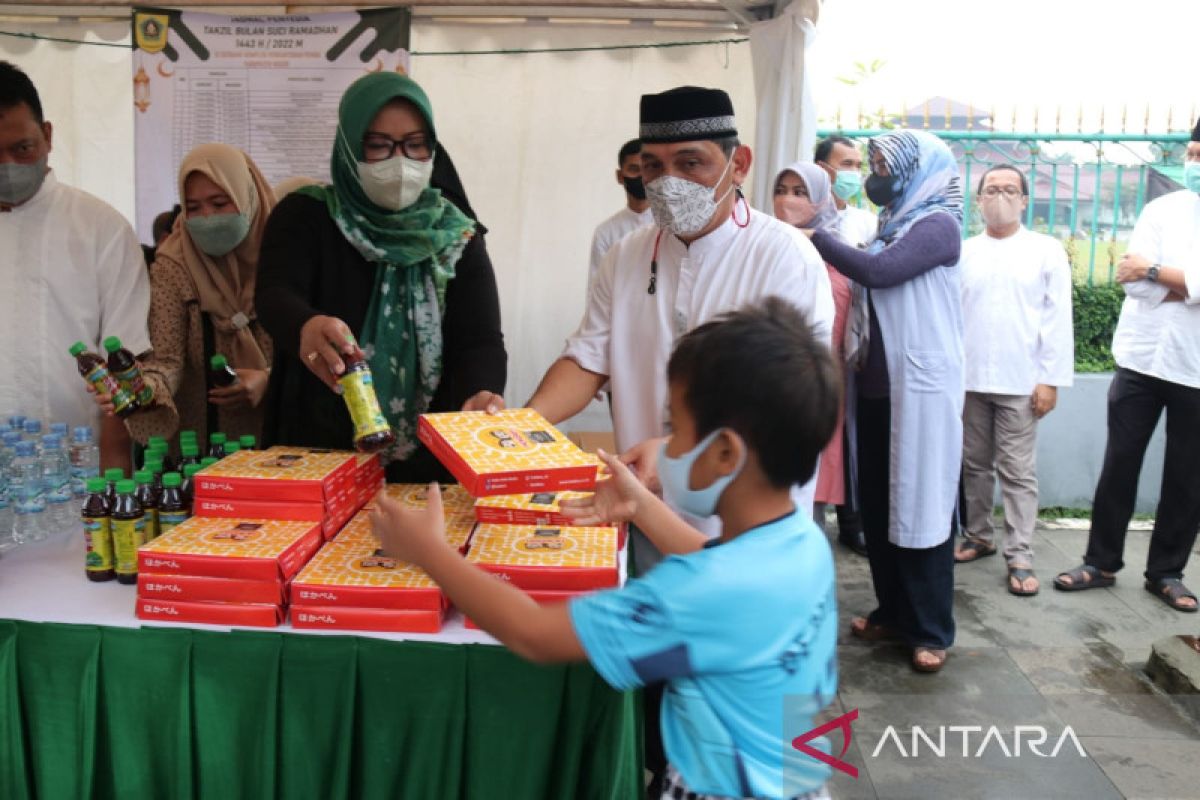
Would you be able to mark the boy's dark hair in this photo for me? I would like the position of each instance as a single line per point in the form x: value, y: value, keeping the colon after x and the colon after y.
x: 630, y: 148
x: 990, y: 170
x: 15, y: 88
x: 760, y: 372
x: 825, y: 147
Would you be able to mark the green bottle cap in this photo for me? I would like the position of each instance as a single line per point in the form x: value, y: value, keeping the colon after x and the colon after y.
x: 153, y: 465
x: 231, y: 448
x: 157, y: 441
x: 96, y: 485
x: 190, y: 470
x: 112, y: 344
x: 172, y: 480
x: 208, y: 462
x: 143, y: 476
x: 114, y: 474
x: 218, y: 362
x: 216, y: 438
x: 247, y: 442
x: 77, y: 348
x: 125, y: 486
x: 189, y: 434
x: 189, y: 449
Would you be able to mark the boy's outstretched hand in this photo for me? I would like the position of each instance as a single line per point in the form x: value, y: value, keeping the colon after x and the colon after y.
x: 410, y: 534
x: 617, y: 498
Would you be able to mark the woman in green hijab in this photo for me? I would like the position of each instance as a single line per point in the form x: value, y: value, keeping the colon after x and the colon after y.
x: 387, y: 258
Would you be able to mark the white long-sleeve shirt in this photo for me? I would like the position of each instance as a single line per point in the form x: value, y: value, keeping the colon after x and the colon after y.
x: 627, y: 333
x: 1017, y: 330
x: 1153, y: 337
x: 613, y: 230
x: 70, y: 270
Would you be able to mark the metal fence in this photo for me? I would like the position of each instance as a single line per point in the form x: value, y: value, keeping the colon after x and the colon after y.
x: 1086, y: 189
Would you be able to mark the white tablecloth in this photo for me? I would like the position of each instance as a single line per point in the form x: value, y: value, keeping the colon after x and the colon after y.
x: 45, y: 582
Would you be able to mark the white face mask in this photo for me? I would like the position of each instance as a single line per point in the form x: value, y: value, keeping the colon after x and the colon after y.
x: 395, y: 183
x: 684, y: 207
x: 1000, y: 211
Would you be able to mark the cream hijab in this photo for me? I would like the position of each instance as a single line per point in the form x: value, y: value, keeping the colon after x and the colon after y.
x: 225, y: 284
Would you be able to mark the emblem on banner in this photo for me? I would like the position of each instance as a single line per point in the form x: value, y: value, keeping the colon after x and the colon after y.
x: 150, y: 31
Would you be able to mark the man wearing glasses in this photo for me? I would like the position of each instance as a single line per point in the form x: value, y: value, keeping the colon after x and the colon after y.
x: 1019, y: 347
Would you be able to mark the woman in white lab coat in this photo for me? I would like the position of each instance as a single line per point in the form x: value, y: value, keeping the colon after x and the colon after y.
x: 910, y: 389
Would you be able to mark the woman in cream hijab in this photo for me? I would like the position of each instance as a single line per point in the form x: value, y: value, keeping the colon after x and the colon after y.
x: 202, y: 302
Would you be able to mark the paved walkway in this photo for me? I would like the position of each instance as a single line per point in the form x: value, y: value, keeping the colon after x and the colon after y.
x: 1056, y: 660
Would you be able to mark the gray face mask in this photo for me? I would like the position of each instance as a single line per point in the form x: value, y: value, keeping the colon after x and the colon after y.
x: 19, y: 182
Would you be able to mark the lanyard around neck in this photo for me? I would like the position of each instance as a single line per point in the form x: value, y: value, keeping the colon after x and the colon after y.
x: 653, y: 287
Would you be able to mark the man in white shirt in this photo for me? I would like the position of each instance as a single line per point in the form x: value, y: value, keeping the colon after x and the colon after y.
x: 1019, y: 347
x: 842, y: 159
x: 1157, y: 350
x: 707, y: 253
x: 633, y: 215
x: 71, y: 270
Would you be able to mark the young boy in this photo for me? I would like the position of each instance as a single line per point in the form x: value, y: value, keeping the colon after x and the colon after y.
x: 740, y: 627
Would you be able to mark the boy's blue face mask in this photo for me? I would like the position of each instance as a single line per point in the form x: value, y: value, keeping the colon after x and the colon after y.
x: 675, y: 474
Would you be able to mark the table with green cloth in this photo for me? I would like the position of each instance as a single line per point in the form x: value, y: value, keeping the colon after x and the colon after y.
x: 95, y: 704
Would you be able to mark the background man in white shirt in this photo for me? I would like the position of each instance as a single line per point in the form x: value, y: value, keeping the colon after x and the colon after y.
x: 71, y: 270
x: 634, y: 214
x: 842, y: 159
x: 1019, y: 347
x: 1157, y: 350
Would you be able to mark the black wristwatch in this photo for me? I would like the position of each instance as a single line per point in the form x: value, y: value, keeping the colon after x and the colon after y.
x: 1152, y: 273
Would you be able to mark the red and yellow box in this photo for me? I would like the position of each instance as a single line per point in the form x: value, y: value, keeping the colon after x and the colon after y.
x: 351, y: 572
x: 236, y: 508
x: 251, y: 614
x: 198, y: 588
x: 539, y: 508
x: 541, y: 597
x: 459, y: 525
x: 246, y: 549
x: 366, y: 619
x: 370, y: 477
x: 281, y: 475
x: 511, y: 452
x: 539, y: 558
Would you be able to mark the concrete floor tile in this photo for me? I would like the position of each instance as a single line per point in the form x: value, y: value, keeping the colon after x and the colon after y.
x: 990, y: 776
x: 1050, y: 618
x: 1136, y: 716
x: 1085, y: 668
x: 1148, y: 768
x: 885, y: 669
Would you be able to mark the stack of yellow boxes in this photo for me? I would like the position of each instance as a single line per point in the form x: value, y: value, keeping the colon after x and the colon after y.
x: 518, y: 466
x: 351, y: 585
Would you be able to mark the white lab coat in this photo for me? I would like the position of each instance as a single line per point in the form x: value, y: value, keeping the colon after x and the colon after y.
x: 921, y: 323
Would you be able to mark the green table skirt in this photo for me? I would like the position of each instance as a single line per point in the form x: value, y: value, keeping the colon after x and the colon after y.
x: 176, y: 713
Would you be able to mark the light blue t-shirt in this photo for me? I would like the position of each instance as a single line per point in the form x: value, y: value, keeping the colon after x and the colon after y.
x: 734, y: 630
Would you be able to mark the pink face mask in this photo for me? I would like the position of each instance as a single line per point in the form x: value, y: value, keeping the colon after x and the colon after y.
x: 794, y: 210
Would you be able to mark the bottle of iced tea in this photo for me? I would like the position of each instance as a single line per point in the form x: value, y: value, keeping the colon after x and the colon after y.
x: 124, y: 367
x: 172, y: 509
x: 371, y: 430
x: 97, y: 533
x: 220, y: 372
x: 95, y: 371
x: 216, y: 445
x: 148, y: 499
x: 127, y: 524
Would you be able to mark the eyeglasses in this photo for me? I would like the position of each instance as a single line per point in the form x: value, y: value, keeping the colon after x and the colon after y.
x: 1007, y: 191
x: 417, y: 146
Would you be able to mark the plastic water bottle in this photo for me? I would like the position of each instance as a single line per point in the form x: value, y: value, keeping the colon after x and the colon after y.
x: 25, y: 487
x: 85, y: 459
x: 8, y: 442
x: 56, y: 482
x: 33, y: 433
x: 60, y: 429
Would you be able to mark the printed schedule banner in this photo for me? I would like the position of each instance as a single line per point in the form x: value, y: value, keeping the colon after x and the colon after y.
x: 269, y: 85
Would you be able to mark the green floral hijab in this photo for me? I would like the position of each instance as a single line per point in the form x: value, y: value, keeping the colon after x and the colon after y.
x: 415, y: 250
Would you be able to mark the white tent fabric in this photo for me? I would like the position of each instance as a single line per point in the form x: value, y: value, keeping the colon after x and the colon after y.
x: 787, y: 116
x: 535, y: 138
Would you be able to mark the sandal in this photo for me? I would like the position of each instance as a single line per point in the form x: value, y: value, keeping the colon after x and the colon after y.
x: 862, y: 628
x: 1083, y: 577
x: 1172, y: 592
x: 935, y: 665
x: 972, y: 550
x: 1016, y: 581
